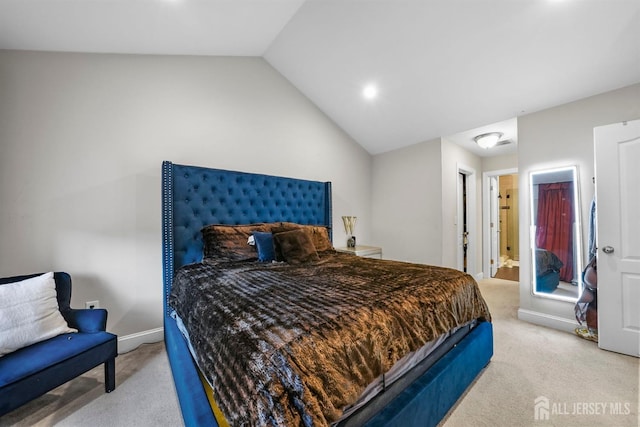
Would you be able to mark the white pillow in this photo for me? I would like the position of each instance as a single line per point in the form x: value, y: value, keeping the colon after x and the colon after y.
x: 29, y: 313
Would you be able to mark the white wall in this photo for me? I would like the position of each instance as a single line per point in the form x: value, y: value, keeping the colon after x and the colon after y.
x: 562, y: 136
x: 406, y: 203
x: 82, y: 140
x: 496, y: 163
x: 414, y: 203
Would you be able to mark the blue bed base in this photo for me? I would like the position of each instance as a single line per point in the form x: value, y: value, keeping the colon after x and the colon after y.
x: 193, y: 197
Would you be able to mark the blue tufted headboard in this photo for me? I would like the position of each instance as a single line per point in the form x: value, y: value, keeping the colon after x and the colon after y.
x: 193, y: 197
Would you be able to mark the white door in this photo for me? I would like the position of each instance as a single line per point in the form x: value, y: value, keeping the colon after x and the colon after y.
x: 617, y: 158
x: 494, y: 224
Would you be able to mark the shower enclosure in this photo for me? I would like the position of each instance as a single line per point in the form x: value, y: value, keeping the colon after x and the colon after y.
x: 509, y: 234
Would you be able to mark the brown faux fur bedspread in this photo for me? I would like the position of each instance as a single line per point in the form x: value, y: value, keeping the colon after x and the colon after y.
x: 294, y: 345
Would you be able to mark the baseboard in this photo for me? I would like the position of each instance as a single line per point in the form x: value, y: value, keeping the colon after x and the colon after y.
x: 479, y: 276
x: 547, y: 320
x: 131, y: 342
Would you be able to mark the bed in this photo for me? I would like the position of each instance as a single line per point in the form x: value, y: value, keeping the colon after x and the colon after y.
x: 195, y: 197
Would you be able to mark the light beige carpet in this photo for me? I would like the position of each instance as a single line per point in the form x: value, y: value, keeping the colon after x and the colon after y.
x: 579, y: 384
x: 144, y: 396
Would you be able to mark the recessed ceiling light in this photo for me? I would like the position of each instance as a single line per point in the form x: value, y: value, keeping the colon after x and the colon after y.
x: 370, y: 91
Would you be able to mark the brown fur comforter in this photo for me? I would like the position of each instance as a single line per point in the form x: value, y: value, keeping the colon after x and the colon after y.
x: 294, y: 345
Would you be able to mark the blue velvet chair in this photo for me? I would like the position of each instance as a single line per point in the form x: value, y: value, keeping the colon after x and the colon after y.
x: 36, y: 369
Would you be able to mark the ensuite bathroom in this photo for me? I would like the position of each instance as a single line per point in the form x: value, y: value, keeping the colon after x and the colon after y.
x: 509, y: 223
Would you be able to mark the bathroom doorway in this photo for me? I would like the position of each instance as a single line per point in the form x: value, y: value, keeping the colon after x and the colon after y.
x: 501, y: 227
x: 509, y: 256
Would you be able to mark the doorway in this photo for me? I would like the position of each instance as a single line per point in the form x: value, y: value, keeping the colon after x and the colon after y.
x: 501, y: 225
x: 463, y: 226
x: 466, y: 219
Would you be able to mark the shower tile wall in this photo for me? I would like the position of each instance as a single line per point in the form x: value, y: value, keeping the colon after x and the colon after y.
x: 509, y: 244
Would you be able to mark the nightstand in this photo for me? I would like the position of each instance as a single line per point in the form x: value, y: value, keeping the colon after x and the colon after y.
x: 363, y: 251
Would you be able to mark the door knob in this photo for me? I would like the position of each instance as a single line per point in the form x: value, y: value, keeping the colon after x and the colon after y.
x: 607, y: 250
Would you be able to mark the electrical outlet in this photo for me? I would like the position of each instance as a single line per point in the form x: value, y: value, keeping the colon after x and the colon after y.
x: 92, y: 304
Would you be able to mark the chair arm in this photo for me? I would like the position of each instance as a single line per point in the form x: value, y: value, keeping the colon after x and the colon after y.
x: 88, y: 320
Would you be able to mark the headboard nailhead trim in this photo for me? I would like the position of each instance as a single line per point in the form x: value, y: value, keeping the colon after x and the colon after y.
x: 167, y: 230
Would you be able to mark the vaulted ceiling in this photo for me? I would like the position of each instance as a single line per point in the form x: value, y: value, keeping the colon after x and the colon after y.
x: 450, y: 68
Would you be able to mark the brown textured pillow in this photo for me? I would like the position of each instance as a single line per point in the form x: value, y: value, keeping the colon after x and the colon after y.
x: 281, y: 227
x: 296, y: 246
x: 319, y: 233
x: 229, y: 242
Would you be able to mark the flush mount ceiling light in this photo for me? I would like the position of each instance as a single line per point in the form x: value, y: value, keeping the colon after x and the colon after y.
x: 488, y: 140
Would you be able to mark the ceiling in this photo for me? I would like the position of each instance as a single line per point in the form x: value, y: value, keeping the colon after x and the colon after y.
x: 452, y: 68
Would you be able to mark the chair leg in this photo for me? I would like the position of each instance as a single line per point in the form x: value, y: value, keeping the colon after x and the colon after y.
x: 110, y: 375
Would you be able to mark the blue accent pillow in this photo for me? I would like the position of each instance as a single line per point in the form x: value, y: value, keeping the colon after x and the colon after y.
x: 264, y: 244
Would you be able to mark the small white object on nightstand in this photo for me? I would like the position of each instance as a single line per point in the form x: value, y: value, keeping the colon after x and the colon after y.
x: 363, y: 251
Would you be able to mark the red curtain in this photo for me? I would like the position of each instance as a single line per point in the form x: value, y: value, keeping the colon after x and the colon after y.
x: 554, y: 224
